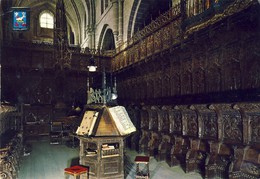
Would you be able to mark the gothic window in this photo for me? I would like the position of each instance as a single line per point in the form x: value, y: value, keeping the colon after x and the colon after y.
x: 46, y: 20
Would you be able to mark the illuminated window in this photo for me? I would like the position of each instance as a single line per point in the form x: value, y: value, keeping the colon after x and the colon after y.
x: 46, y: 20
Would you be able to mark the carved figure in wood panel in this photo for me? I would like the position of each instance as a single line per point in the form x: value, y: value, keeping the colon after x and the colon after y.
x: 232, y: 128
x: 144, y: 119
x: 175, y: 32
x: 131, y: 55
x: 153, y: 119
x: 165, y: 118
x: 166, y: 35
x: 186, y: 85
x: 143, y: 49
x: 254, y: 129
x: 158, y: 86
x: 157, y: 41
x: 213, y: 79
x: 136, y: 53
x: 175, y: 118
x: 150, y: 44
x: 186, y: 81
x: 210, y: 128
x: 150, y: 89
x: 199, y: 81
x: 166, y: 85
x: 190, y: 124
x: 213, y: 70
x: 175, y: 84
x: 160, y: 120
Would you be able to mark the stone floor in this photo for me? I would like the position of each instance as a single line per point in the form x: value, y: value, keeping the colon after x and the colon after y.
x: 48, y: 161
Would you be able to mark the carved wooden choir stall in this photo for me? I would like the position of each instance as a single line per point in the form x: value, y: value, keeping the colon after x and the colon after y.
x: 217, y: 140
x: 101, y: 133
x: 11, y: 141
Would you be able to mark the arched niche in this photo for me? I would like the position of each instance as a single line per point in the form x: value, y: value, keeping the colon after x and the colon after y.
x: 106, y: 40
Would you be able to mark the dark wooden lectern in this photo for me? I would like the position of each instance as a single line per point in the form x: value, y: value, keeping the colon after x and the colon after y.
x: 101, y: 133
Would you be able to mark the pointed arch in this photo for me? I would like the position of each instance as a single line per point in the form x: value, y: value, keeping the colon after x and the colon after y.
x: 106, y: 39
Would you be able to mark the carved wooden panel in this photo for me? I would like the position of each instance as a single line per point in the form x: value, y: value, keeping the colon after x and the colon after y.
x: 143, y: 49
x: 230, y: 124
x: 175, y: 32
x: 150, y: 87
x: 198, y: 77
x: 213, y: 71
x: 166, y: 83
x: 131, y: 52
x: 153, y: 118
x: 208, y: 122
x: 163, y: 119
x: 251, y: 70
x: 144, y: 118
x: 150, y: 45
x: 175, y: 79
x: 158, y: 85
x: 175, y: 118
x: 186, y: 76
x: 250, y: 113
x: 136, y: 52
x: 166, y: 37
x: 157, y: 41
x: 254, y: 129
x: 232, y: 127
x: 189, y: 122
x: 232, y: 71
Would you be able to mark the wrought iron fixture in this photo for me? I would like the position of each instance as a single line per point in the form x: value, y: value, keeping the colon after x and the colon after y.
x: 92, y: 66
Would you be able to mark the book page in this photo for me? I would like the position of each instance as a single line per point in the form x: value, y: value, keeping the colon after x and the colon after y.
x: 122, y: 120
x: 87, y: 123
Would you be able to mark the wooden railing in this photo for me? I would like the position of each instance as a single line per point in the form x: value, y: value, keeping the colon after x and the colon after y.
x: 170, y: 28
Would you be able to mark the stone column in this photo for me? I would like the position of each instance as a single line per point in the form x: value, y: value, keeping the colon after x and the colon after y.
x: 91, y: 36
x: 120, y: 21
x: 116, y: 17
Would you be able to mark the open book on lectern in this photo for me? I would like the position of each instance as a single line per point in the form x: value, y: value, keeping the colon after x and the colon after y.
x: 105, y: 121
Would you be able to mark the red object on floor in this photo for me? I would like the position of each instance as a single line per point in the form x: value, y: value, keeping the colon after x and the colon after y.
x: 142, y: 159
x: 76, y: 170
